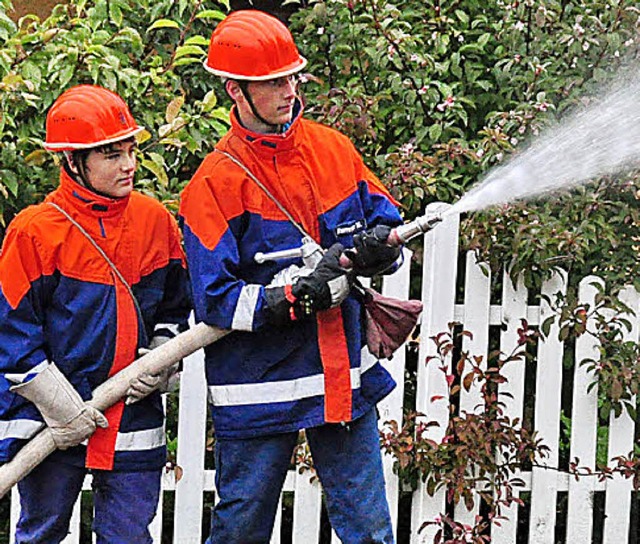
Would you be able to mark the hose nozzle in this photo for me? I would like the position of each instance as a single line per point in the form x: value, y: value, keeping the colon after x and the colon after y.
x: 404, y: 233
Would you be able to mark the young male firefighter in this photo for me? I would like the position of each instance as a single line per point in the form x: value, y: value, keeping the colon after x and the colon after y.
x: 294, y: 361
x: 87, y: 278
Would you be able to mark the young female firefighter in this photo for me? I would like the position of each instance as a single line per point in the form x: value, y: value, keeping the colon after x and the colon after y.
x: 87, y: 278
x: 294, y: 361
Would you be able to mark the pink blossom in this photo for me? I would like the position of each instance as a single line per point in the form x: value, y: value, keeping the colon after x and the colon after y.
x: 448, y: 102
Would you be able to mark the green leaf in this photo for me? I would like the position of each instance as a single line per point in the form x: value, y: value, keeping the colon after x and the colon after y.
x: 115, y: 13
x: 157, y: 168
x: 186, y: 50
x: 197, y: 40
x: 163, y: 23
x: 484, y: 39
x: 435, y: 131
x: 186, y: 60
x: 65, y: 75
x: 462, y: 16
x: 209, y: 101
x: 9, y: 180
x: 211, y: 14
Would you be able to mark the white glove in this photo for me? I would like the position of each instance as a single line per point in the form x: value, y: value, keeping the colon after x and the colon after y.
x: 70, y: 419
x: 79, y: 429
x: 144, y: 384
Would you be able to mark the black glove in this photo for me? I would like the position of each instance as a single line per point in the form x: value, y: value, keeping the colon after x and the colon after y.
x: 326, y: 287
x: 371, y: 254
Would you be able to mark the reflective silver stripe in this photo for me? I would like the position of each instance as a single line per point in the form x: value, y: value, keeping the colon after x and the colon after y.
x: 283, y: 391
x: 171, y: 327
x: 141, y: 440
x: 19, y: 378
x: 246, y: 307
x: 19, y: 428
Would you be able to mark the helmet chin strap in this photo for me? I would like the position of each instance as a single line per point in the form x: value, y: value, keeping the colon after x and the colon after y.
x: 244, y: 87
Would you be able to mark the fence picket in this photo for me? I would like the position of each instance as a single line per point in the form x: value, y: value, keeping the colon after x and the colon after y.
x: 584, y: 425
x: 192, y: 418
x: 307, y: 506
x: 514, y: 309
x: 544, y: 482
x: 621, y: 437
x: 477, y: 290
x: 390, y: 408
x: 438, y: 296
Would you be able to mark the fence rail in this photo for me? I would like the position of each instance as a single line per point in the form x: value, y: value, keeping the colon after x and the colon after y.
x: 543, y: 487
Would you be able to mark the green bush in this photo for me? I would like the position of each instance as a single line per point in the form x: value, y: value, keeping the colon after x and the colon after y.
x: 149, y: 51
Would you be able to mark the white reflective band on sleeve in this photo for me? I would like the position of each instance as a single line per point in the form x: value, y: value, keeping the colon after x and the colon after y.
x: 172, y: 327
x: 246, y: 307
x: 265, y: 393
x: 141, y: 440
x: 19, y: 428
x: 21, y: 378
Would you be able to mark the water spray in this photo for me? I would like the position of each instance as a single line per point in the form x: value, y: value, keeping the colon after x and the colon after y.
x: 602, y: 139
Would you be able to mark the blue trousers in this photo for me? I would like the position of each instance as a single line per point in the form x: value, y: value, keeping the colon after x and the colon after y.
x: 124, y: 504
x: 250, y: 474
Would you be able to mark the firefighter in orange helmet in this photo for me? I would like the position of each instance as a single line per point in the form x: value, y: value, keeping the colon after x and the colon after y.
x: 68, y: 321
x: 295, y: 361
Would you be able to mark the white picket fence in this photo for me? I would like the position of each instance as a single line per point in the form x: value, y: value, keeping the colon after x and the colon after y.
x: 477, y: 314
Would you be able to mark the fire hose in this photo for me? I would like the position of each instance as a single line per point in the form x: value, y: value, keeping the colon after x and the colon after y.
x: 108, y: 393
x: 164, y: 356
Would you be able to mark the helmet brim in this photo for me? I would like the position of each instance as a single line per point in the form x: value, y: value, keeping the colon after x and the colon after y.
x: 71, y: 146
x: 286, y: 71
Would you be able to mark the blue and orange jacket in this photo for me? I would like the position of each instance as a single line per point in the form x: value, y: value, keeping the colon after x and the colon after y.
x: 265, y: 378
x: 61, y: 302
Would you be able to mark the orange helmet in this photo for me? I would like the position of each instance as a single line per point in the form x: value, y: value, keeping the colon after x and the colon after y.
x: 88, y: 116
x: 252, y: 45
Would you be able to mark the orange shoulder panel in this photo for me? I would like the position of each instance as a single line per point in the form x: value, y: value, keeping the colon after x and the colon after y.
x: 211, y: 199
x: 24, y: 257
x: 158, y: 238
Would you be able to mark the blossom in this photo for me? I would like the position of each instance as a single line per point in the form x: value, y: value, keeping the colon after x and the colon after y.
x: 519, y: 26
x: 448, y: 102
x: 422, y: 89
x: 407, y: 149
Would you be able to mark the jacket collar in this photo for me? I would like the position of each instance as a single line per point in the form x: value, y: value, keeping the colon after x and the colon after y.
x: 86, y: 201
x: 269, y: 143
